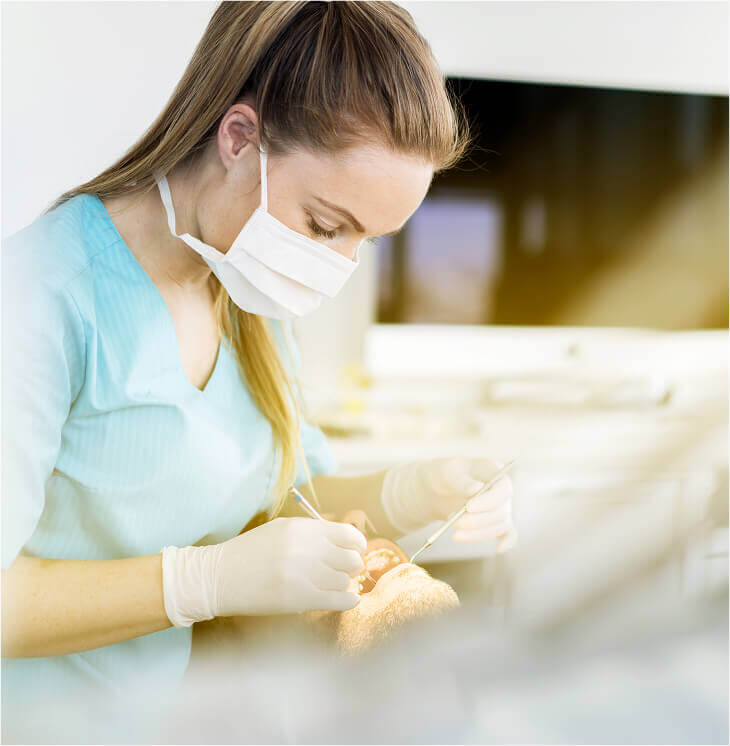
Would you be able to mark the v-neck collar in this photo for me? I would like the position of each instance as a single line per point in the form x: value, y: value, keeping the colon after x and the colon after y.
x: 140, y: 271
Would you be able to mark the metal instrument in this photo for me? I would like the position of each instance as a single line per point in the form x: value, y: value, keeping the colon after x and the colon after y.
x: 309, y: 508
x: 455, y: 517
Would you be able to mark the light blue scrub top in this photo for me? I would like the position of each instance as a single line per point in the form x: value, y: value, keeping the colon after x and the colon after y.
x: 108, y: 450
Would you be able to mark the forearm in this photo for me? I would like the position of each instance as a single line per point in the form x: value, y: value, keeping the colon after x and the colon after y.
x: 56, y: 607
x: 339, y: 494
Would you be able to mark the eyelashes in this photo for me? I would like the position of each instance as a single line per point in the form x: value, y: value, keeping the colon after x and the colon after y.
x: 318, y: 230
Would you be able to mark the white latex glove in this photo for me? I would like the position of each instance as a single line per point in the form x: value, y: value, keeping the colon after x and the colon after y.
x: 287, y: 565
x: 417, y: 493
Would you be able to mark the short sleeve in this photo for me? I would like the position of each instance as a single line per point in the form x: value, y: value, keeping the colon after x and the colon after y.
x: 43, y: 352
x: 317, y: 450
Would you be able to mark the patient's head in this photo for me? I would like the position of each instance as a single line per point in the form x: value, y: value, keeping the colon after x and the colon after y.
x: 396, y: 592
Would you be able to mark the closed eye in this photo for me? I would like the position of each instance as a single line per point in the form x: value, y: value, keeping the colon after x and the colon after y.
x: 318, y: 230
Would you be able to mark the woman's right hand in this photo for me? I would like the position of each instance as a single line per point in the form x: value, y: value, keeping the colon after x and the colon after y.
x: 289, y: 565
x: 285, y: 566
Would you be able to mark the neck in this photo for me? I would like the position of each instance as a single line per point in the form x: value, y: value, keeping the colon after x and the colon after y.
x: 180, y: 263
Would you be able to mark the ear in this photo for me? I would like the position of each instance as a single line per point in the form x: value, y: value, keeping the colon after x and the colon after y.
x: 238, y: 130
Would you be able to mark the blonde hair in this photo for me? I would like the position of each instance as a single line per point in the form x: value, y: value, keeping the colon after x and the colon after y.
x: 324, y: 76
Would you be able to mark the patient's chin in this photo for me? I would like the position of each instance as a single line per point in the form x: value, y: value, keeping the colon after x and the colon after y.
x: 392, y: 582
x: 402, y: 592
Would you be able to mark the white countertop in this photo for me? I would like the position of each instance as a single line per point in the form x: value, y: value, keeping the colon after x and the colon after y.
x: 431, y: 392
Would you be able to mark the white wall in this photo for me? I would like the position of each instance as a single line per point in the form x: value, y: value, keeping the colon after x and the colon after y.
x: 82, y: 80
x: 663, y: 46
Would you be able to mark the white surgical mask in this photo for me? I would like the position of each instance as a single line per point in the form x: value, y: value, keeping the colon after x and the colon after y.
x: 270, y: 269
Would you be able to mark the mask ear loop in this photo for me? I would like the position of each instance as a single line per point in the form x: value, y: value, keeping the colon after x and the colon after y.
x: 164, y: 188
x: 203, y: 249
x: 264, y: 187
x: 357, y: 253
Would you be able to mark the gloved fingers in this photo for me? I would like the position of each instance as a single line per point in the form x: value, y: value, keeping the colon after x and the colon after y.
x: 335, y: 601
x: 346, y: 536
x: 486, y: 518
x: 483, y: 469
x: 488, y: 532
x: 345, y: 560
x: 450, y: 478
x: 326, y: 578
x: 493, y: 498
x: 507, y: 542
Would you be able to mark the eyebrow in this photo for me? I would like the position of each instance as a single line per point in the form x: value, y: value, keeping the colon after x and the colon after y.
x: 355, y: 223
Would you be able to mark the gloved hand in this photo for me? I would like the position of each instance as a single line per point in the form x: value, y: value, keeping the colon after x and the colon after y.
x: 417, y: 493
x: 284, y: 566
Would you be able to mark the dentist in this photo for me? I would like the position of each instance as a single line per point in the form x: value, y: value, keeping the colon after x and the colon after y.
x: 150, y: 403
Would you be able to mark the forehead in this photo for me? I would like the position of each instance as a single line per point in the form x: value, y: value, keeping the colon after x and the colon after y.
x: 381, y: 188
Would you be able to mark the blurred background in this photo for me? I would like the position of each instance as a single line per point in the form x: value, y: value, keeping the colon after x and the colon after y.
x: 561, y: 296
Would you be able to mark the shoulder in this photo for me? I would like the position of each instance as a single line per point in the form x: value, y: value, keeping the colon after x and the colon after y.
x: 57, y: 247
x: 48, y: 268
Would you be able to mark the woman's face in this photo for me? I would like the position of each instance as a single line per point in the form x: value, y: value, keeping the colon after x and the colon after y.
x: 336, y: 199
x: 339, y: 200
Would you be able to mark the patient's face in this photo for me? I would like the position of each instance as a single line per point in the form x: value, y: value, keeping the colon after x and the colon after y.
x: 380, y: 556
x: 402, y: 591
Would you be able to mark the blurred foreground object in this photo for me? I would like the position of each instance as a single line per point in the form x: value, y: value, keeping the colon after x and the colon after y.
x: 640, y: 673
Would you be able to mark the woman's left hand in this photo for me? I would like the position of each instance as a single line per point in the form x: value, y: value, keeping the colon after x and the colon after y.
x: 417, y: 493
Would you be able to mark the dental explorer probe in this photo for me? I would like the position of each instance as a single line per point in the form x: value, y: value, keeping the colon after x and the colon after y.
x: 309, y: 508
x: 455, y: 517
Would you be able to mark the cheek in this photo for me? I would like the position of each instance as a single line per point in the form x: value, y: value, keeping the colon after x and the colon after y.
x: 294, y: 219
x: 285, y: 205
x: 222, y: 214
x: 351, y: 251
x: 221, y: 231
